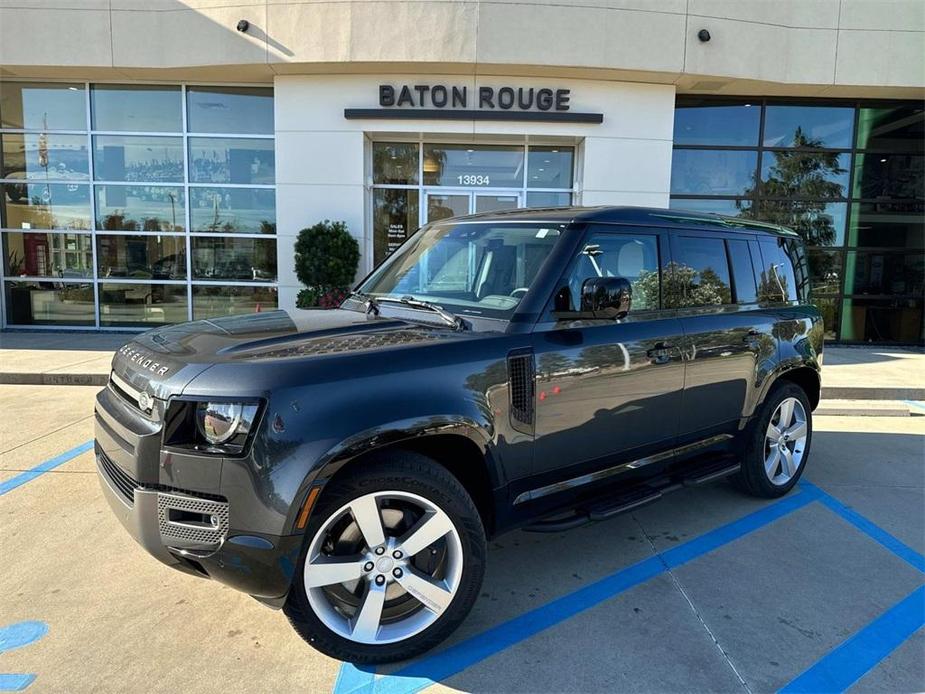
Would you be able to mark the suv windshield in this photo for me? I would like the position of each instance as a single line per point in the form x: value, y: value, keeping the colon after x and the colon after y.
x: 479, y: 268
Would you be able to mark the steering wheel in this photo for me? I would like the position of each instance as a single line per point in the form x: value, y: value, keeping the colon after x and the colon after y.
x: 524, y: 290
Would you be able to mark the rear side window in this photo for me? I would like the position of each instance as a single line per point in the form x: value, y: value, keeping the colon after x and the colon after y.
x: 743, y: 275
x: 699, y: 275
x: 778, y: 281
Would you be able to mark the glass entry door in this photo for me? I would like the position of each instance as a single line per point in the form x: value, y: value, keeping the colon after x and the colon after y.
x: 442, y: 205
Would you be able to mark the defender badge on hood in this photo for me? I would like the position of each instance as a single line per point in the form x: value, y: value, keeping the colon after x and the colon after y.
x: 144, y: 361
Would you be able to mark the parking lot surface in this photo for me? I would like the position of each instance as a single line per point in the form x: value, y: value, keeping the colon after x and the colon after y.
x: 707, y: 590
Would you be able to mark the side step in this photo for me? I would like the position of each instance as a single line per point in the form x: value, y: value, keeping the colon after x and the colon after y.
x: 608, y: 507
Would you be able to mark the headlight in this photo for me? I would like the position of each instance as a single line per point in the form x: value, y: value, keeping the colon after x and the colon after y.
x: 225, y: 422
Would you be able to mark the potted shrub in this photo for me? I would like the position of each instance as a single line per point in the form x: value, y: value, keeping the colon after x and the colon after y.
x: 326, y: 262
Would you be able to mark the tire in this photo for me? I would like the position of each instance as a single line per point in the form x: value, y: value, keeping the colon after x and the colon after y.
x: 760, y: 475
x: 330, y: 616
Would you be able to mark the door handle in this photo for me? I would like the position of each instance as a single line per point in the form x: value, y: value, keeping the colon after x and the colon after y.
x: 660, y: 353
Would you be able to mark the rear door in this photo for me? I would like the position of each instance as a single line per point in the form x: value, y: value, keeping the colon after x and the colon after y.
x: 727, y: 335
x: 608, y: 391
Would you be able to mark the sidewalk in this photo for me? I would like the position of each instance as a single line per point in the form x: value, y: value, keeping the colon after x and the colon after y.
x: 55, y: 358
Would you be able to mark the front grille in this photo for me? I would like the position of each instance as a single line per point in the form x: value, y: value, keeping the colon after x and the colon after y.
x: 119, y: 478
x: 210, y: 531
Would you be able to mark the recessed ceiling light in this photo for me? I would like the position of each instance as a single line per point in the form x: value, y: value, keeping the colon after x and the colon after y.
x: 883, y: 161
x: 470, y: 151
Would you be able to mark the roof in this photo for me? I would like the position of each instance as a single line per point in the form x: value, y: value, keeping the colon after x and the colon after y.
x: 647, y: 216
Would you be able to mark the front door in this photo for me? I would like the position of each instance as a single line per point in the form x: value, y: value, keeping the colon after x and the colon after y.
x: 445, y: 204
x: 609, y: 391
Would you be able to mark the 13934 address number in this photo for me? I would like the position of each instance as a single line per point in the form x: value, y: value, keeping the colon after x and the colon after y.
x: 474, y: 180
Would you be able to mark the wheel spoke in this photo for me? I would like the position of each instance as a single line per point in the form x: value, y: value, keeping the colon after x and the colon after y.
x: 773, y: 433
x: 430, y: 593
x: 797, y: 431
x: 771, y: 463
x: 786, y: 414
x: 366, y: 622
x: 432, y: 527
x: 787, y: 464
x: 365, y: 512
x: 324, y: 571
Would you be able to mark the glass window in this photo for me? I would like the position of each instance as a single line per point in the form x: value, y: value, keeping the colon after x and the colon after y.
x: 496, y: 203
x: 30, y: 254
x: 496, y: 166
x: 446, y: 206
x: 889, y: 176
x: 244, y: 210
x: 825, y: 271
x: 45, y: 206
x: 800, y: 174
x: 898, y: 225
x: 699, y: 275
x: 808, y: 126
x: 818, y: 223
x: 395, y: 218
x: 135, y: 108
x: 153, y: 257
x: 234, y: 259
x: 42, y: 106
x: 634, y: 257
x: 899, y: 128
x: 713, y: 172
x: 232, y: 160
x: 50, y: 157
x: 549, y: 167
x: 130, y: 304
x: 872, y: 272
x: 711, y: 122
x: 211, y: 301
x: 238, y: 110
x: 742, y: 274
x: 881, y: 320
x: 395, y: 163
x: 139, y: 208
x: 138, y: 159
x: 778, y: 281
x: 548, y: 199
x: 730, y: 207
x: 829, y: 307
x: 472, y: 268
x: 49, y: 303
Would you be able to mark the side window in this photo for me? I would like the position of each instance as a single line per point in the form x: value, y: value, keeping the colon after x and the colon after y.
x: 743, y: 276
x: 778, y: 281
x: 699, y: 274
x: 633, y: 257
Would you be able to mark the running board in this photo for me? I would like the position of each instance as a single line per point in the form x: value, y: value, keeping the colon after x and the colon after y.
x: 607, y: 507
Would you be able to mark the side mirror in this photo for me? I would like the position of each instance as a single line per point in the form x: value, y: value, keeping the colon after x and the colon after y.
x: 606, y: 297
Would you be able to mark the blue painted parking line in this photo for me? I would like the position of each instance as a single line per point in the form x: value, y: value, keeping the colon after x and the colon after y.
x: 16, y: 636
x: 859, y: 654
x: 870, y: 529
x: 352, y: 678
x: 42, y: 468
x: 444, y: 664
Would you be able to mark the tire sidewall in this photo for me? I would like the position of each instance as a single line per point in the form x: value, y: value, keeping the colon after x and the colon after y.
x: 437, y: 486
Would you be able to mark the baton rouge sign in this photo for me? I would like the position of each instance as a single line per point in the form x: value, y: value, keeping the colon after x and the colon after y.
x: 443, y: 102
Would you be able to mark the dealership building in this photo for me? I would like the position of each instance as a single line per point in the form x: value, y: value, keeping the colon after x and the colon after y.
x: 159, y: 157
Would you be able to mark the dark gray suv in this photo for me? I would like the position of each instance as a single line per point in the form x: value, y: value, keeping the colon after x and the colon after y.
x: 536, y: 369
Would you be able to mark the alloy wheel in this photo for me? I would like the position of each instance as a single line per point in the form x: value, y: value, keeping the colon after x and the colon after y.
x: 785, y: 441
x: 383, y: 567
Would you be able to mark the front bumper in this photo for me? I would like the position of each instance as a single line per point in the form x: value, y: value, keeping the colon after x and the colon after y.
x: 185, y: 528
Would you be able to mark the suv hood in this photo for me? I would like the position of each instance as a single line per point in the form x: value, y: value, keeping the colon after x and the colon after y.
x: 165, y: 360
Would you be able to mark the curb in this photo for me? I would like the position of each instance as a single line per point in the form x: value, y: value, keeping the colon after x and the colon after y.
x: 872, y: 393
x: 52, y: 379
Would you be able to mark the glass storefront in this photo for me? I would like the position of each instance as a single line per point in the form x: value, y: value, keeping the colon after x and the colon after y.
x: 136, y: 205
x: 848, y: 176
x: 415, y: 183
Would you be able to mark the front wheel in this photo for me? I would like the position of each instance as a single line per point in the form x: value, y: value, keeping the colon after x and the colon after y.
x: 392, y: 563
x: 778, y: 445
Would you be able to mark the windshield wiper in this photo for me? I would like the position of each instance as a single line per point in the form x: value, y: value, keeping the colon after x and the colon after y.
x: 450, y: 319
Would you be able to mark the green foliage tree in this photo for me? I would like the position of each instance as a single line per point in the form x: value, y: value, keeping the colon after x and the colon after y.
x: 326, y: 261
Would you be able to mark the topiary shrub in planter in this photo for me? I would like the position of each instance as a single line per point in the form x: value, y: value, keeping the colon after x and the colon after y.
x: 326, y: 261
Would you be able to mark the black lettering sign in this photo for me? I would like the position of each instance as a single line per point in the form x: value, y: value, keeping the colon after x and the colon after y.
x: 505, y: 98
x: 486, y: 96
x: 460, y: 97
x: 386, y: 95
x: 544, y: 99
x: 562, y: 97
x: 405, y: 97
x: 438, y: 96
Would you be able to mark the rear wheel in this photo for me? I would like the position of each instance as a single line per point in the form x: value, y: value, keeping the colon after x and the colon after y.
x: 392, y: 563
x: 778, y: 446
